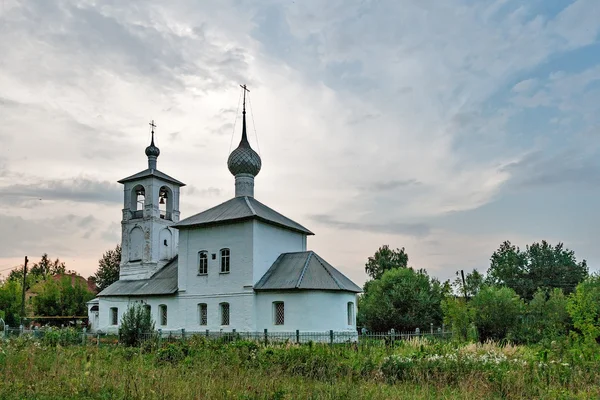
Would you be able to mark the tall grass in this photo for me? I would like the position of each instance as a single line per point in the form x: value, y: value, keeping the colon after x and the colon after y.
x: 201, y: 369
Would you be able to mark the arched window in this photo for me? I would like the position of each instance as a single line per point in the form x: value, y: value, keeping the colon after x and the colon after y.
x: 203, y: 314
x: 203, y: 263
x: 138, y: 201
x: 225, y: 260
x: 350, y: 313
x: 162, y: 314
x: 278, y: 313
x: 165, y: 203
x: 224, y: 313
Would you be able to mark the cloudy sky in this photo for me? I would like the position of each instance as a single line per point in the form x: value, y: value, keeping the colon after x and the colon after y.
x: 445, y: 127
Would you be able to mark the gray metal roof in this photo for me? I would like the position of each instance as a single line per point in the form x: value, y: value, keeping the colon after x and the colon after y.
x: 240, y: 209
x: 152, y: 172
x: 304, y: 271
x: 162, y: 282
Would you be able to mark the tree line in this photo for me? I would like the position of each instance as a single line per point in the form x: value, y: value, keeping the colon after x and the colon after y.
x: 526, y: 295
x: 52, y: 297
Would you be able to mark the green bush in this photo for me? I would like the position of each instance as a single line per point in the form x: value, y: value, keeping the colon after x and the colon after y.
x: 496, y: 312
x: 136, y: 322
x: 584, y: 308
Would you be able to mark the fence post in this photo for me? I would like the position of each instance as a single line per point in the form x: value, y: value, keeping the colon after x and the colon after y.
x: 431, y: 327
x: 331, y: 337
x: 182, y: 334
x: 84, y: 336
x: 207, y: 333
x: 21, y: 330
x: 297, y: 335
x: 159, y: 336
x: 233, y: 338
x: 443, y: 329
x: 266, y: 337
x: 5, y: 331
x: 393, y: 334
x: 418, y: 332
x: 98, y: 339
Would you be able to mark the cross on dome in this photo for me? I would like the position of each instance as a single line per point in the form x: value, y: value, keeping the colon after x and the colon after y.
x: 152, y: 152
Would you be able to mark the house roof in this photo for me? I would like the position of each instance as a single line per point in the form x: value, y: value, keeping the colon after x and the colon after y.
x: 304, y: 271
x: 164, y: 281
x: 239, y: 209
x: 152, y: 172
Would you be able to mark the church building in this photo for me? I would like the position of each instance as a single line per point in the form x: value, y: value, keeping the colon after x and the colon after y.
x: 239, y: 265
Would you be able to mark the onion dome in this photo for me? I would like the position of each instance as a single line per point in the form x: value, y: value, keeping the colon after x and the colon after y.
x: 152, y: 150
x: 244, y: 160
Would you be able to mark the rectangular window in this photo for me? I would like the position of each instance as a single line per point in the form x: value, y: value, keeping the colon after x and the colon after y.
x: 224, y: 313
x: 163, y: 314
x: 203, y: 263
x: 225, y: 255
x: 203, y: 313
x: 114, y: 316
x: 279, y: 312
x: 350, y: 313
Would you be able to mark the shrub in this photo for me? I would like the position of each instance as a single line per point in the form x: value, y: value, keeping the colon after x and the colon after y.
x: 135, y: 322
x: 584, y: 308
x: 496, y: 312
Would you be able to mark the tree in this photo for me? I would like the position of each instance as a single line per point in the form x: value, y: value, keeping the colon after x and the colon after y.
x: 402, y: 299
x: 136, y: 321
x: 584, y: 308
x: 39, y: 271
x: 539, y: 266
x: 108, y: 268
x: 61, y: 298
x: 384, y: 260
x: 10, y: 301
x: 496, y: 312
x: 546, y: 316
x: 459, y: 316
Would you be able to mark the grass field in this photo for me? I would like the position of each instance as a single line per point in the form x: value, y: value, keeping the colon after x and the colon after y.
x: 201, y: 369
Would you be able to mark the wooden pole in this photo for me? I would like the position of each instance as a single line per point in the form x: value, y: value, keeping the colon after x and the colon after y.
x: 23, y: 291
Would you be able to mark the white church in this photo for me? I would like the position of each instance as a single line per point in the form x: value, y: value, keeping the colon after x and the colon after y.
x: 237, y: 266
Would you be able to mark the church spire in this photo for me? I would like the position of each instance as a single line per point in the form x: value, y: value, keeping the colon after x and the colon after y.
x: 243, y: 162
x: 152, y: 151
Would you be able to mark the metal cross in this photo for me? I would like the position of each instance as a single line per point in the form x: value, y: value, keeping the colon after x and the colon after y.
x: 152, y: 125
x: 245, y: 90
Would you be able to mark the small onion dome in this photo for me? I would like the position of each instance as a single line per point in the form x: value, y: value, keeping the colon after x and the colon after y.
x: 152, y: 150
x: 244, y: 160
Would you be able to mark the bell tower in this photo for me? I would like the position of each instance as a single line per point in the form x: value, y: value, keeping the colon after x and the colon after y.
x: 150, y: 207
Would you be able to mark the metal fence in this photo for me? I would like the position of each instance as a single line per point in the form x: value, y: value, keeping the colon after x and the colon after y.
x: 363, y: 338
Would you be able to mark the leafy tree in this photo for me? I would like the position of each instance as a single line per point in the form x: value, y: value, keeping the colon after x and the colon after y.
x: 108, y: 268
x: 459, y: 316
x: 473, y: 283
x: 402, y: 299
x: 10, y: 301
x: 539, y: 266
x: 61, y: 298
x: 546, y: 317
x: 584, y: 308
x: 384, y: 260
x: 39, y: 271
x: 136, y: 321
x: 496, y: 312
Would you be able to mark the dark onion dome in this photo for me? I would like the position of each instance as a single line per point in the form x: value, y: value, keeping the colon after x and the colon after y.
x: 152, y: 150
x: 244, y: 160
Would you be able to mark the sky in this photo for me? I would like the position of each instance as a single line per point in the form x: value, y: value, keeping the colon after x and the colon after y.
x: 445, y: 127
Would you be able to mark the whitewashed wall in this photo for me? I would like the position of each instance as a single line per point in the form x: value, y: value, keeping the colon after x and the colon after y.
x: 306, y: 310
x: 269, y: 242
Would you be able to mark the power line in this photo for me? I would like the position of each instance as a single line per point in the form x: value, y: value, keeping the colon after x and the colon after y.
x: 253, y: 124
x: 235, y: 122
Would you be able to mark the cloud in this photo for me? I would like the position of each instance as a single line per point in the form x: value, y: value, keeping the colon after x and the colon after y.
x: 78, y: 189
x: 418, y: 230
x: 389, y: 185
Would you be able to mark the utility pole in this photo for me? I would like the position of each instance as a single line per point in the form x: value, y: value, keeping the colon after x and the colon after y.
x: 23, y: 292
x: 462, y: 274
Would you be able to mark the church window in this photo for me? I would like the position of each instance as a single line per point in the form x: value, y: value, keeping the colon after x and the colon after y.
x: 224, y: 313
x: 279, y: 312
x: 350, y: 313
x: 114, y: 316
x: 225, y: 257
x: 203, y: 263
x: 203, y: 313
x: 163, y: 314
